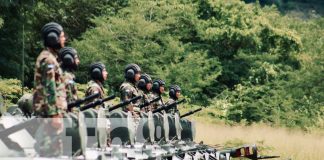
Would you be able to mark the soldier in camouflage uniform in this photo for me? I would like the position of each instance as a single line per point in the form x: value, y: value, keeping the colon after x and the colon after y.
x: 49, y: 95
x: 145, y: 86
x: 98, y: 75
x: 174, y: 93
x: 157, y: 91
x: 128, y: 89
x: 69, y: 63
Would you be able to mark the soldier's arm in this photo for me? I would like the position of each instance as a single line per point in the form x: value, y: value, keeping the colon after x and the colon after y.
x: 126, y: 94
x: 72, y: 89
x: 48, y: 68
x: 94, y: 90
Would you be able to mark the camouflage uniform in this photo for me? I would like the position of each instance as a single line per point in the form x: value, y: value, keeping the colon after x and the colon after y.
x: 147, y: 97
x: 49, y: 100
x: 129, y: 91
x: 173, y: 110
x: 49, y: 97
x: 95, y: 87
x: 71, y: 89
x: 157, y: 104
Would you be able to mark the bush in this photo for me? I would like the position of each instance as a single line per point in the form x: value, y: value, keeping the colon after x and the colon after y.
x: 10, y: 89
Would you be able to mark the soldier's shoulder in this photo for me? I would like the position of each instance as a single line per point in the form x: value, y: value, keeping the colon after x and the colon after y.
x: 171, y: 100
x: 46, y: 54
x: 154, y: 95
x: 47, y: 57
x: 68, y: 75
x: 126, y: 85
x: 92, y: 84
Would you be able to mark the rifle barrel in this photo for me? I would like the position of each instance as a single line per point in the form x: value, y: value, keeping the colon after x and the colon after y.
x: 97, y: 102
x: 80, y: 101
x: 191, y: 112
x: 124, y: 103
x: 150, y: 102
x: 167, y: 107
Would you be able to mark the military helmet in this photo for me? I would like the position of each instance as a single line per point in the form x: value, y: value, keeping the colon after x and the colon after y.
x: 51, y: 35
x: 131, y: 70
x: 96, y: 70
x: 144, y: 79
x: 68, y: 56
x: 157, y: 84
x: 173, y: 90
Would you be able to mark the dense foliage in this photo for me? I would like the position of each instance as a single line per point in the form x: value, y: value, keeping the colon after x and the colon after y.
x: 245, y: 62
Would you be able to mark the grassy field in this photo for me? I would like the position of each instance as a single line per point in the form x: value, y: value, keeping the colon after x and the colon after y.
x: 289, y: 144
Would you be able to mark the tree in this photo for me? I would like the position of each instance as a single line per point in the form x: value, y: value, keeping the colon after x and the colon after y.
x: 155, y: 35
x: 73, y: 15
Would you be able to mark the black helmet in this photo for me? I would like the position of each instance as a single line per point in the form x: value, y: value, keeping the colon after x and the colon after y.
x: 130, y: 71
x: 68, y: 56
x: 156, y: 85
x: 96, y: 70
x: 172, y: 91
x: 144, y: 80
x: 51, y: 35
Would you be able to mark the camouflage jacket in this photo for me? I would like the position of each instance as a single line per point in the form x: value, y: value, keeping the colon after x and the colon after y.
x: 71, y: 89
x: 49, y: 96
x: 128, y: 91
x: 147, y: 97
x: 173, y: 110
x: 95, y: 87
x: 157, y: 104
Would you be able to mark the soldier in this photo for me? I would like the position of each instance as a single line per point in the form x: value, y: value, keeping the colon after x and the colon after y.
x: 174, y: 93
x: 49, y: 98
x: 69, y: 63
x: 128, y: 89
x: 98, y: 75
x: 145, y: 86
x: 49, y: 95
x: 157, y: 91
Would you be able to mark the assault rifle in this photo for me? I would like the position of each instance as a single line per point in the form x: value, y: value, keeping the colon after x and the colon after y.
x: 190, y: 113
x: 78, y: 102
x: 150, y: 102
x: 97, y: 102
x: 124, y: 103
x: 167, y: 107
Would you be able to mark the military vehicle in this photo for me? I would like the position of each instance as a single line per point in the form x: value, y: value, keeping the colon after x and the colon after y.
x: 110, y: 133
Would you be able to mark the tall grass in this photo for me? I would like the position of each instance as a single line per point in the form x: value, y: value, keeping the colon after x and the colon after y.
x: 289, y: 144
